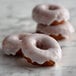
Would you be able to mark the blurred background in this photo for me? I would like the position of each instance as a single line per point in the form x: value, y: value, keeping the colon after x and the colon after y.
x: 23, y: 8
x: 16, y: 15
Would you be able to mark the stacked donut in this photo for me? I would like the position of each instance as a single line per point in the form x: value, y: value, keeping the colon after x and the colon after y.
x: 37, y: 49
x: 53, y: 21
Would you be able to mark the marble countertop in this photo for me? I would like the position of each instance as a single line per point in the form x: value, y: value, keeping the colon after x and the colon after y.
x: 15, y: 17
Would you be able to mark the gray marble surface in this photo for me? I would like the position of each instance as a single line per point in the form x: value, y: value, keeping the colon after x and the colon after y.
x: 15, y: 17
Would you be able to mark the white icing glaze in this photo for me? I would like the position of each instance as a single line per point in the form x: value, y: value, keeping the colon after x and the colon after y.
x: 65, y: 29
x: 48, y: 13
x: 12, y: 44
x: 38, y: 55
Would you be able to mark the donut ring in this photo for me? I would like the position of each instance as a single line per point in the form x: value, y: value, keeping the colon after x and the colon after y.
x: 59, y: 32
x: 49, y: 13
x: 40, y: 49
x: 11, y: 45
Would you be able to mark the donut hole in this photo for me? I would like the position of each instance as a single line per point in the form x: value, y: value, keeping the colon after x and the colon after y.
x: 53, y: 7
x: 42, y: 45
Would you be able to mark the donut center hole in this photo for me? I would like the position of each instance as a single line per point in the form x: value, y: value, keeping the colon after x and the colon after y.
x: 53, y: 8
x: 42, y: 45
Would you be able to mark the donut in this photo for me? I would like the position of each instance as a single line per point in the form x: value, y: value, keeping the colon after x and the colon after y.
x: 11, y: 44
x: 41, y: 49
x: 50, y: 14
x: 59, y: 32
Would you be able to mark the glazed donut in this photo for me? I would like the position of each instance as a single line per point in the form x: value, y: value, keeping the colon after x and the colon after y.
x: 62, y: 31
x: 11, y: 45
x: 40, y: 49
x: 50, y: 13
